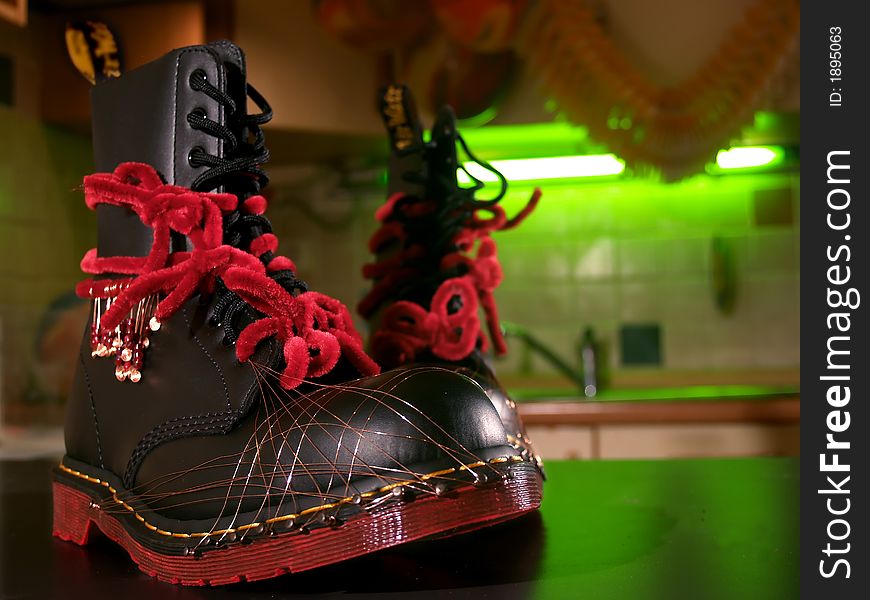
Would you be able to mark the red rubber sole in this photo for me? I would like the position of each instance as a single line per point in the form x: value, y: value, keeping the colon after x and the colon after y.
x: 466, y: 509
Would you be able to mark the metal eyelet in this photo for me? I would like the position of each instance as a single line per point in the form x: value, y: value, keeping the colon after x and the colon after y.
x: 191, y: 160
x: 199, y: 74
x: 200, y: 112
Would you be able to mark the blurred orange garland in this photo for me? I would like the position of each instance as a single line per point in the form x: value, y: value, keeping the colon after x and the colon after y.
x: 450, y: 51
x: 674, y: 129
x: 374, y: 25
x: 462, y: 52
x: 482, y: 25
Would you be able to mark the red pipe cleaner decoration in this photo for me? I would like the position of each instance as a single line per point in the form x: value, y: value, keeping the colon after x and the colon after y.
x: 406, y: 328
x: 315, y: 330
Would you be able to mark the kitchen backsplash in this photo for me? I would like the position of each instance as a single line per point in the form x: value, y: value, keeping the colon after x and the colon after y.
x: 614, y: 255
x: 44, y: 230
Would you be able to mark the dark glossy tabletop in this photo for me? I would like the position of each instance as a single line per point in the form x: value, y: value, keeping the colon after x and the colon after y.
x: 699, y: 529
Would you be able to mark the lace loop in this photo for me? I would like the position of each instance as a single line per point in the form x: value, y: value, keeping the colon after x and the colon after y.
x: 503, y: 185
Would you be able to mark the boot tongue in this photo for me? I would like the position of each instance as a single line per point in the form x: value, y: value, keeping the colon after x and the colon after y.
x: 237, y: 88
x: 233, y: 59
x: 442, y: 157
x: 246, y: 132
x: 236, y: 83
x: 405, y: 131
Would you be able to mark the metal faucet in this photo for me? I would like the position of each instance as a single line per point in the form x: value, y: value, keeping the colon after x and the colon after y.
x: 586, y: 381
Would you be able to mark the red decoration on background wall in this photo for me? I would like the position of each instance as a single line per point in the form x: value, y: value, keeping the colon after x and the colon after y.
x: 451, y: 52
x: 469, y: 53
x: 482, y: 25
x: 472, y: 83
x: 374, y: 24
x: 14, y: 11
x: 675, y: 129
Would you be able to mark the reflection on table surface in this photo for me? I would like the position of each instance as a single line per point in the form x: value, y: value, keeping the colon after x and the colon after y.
x: 673, y: 529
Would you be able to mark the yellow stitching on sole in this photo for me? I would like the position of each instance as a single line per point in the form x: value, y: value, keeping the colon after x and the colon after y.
x: 314, y: 509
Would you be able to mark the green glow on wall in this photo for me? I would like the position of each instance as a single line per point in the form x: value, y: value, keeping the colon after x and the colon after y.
x: 585, y: 209
x: 495, y: 142
x: 513, y: 145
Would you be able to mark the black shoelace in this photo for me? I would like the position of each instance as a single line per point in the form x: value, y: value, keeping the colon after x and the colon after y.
x: 437, y: 230
x: 239, y: 169
x: 242, y: 157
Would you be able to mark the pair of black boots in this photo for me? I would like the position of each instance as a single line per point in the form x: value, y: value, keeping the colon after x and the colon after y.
x: 225, y: 423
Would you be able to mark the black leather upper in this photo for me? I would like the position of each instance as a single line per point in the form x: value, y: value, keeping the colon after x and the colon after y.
x: 191, y: 383
x: 478, y: 368
x: 142, y: 117
x: 195, y: 404
x: 329, y: 443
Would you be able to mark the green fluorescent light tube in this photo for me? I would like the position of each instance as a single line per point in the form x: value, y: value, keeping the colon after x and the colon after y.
x: 557, y: 167
x: 745, y: 157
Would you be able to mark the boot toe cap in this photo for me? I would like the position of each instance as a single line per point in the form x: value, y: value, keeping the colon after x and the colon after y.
x: 298, y: 450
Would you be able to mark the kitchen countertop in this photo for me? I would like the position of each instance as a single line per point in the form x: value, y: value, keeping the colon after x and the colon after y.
x: 689, y: 393
x: 669, y: 529
x: 663, y: 405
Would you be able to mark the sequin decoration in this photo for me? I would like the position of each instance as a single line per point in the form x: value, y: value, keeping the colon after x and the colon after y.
x: 127, y: 341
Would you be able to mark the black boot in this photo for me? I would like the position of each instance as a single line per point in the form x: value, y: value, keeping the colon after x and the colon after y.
x: 220, y: 411
x: 436, y: 265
